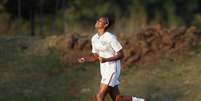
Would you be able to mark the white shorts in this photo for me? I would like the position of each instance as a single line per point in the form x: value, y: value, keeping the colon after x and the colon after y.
x: 110, y: 72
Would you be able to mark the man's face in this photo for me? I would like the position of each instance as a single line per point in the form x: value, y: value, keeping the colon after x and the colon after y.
x: 100, y: 23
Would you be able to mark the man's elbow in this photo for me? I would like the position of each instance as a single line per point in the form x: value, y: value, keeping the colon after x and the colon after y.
x: 122, y: 55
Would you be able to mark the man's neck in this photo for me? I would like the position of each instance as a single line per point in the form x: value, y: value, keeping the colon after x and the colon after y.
x: 100, y: 32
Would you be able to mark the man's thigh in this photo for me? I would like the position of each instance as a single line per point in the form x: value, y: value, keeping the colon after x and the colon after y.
x: 114, y: 92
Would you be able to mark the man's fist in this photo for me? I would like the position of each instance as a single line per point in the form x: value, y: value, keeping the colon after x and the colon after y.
x: 81, y: 60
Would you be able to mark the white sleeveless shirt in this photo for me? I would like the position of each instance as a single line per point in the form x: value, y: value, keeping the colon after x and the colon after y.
x: 107, y: 46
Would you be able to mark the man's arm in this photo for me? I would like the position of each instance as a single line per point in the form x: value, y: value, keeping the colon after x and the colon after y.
x: 118, y: 56
x: 90, y: 58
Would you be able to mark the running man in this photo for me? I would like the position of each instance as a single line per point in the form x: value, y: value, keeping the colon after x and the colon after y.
x: 108, y: 50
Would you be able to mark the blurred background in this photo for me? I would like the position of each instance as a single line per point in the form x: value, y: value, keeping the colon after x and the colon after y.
x: 47, y: 17
x: 41, y: 40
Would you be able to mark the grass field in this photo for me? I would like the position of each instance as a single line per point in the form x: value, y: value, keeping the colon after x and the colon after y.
x: 32, y: 77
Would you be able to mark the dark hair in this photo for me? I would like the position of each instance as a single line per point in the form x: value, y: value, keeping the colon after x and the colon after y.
x: 108, y: 20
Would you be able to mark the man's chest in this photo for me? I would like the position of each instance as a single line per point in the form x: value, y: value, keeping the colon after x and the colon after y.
x: 102, y: 44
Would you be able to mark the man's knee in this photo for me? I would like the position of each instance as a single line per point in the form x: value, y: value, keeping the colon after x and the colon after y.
x: 99, y: 95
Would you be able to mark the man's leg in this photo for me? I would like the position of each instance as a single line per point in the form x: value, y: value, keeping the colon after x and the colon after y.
x: 115, y: 95
x: 114, y: 92
x: 102, y: 92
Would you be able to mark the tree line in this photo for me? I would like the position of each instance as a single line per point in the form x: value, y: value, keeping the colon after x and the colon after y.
x: 56, y: 16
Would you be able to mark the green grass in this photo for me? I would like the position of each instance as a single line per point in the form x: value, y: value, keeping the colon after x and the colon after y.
x: 28, y: 77
x: 32, y: 77
x: 167, y: 81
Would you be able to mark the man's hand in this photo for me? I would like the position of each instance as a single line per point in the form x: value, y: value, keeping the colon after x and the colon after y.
x: 89, y: 58
x: 81, y: 60
x: 102, y: 60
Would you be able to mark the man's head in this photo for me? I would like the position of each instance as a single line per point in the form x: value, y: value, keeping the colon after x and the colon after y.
x: 102, y: 23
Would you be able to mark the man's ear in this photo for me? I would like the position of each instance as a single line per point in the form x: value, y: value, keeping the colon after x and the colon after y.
x: 106, y: 25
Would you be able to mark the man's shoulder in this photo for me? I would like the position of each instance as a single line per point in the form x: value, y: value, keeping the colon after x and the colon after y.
x: 94, y: 36
x: 110, y: 35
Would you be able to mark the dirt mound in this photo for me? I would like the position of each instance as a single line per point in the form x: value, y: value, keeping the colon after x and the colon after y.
x: 155, y: 42
x: 145, y: 43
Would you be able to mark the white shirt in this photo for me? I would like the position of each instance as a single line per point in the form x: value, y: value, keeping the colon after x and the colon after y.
x: 107, y: 46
